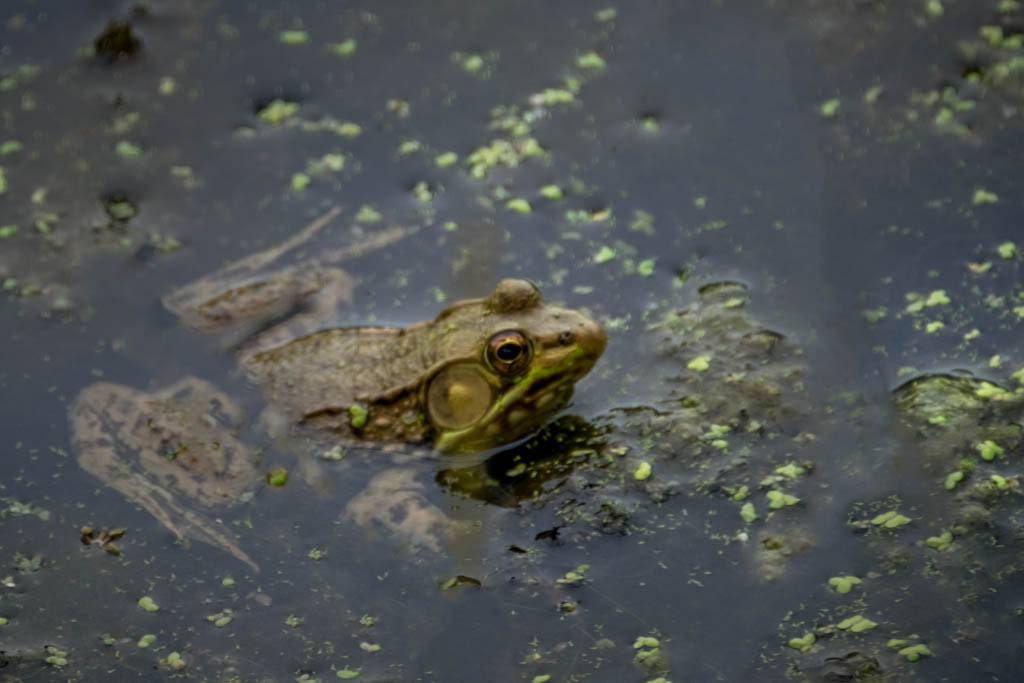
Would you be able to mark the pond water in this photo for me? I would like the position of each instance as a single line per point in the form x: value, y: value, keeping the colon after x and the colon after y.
x: 799, y: 222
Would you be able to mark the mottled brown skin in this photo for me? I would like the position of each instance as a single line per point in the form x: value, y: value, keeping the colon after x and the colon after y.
x: 436, y: 382
x: 315, y: 379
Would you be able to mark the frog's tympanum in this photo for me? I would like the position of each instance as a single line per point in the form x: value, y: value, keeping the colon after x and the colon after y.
x: 483, y: 373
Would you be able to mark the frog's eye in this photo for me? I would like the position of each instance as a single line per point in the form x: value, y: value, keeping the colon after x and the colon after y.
x: 508, y: 352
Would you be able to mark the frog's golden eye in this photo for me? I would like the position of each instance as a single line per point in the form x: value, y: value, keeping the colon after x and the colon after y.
x: 509, y: 352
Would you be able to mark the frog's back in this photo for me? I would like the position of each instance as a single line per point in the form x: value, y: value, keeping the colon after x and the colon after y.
x: 340, y: 366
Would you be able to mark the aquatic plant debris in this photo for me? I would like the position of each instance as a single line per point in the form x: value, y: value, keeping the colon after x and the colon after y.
x: 700, y: 363
x: 642, y: 471
x: 357, y: 416
x: 278, y: 111
x: 983, y: 196
x: 988, y: 449
x: 293, y: 37
x: 173, y: 661
x: 574, y: 577
x: 778, y: 499
x: 519, y: 205
x: 856, y: 624
x: 843, y: 584
x: 345, y: 48
x: 803, y: 643
x: 915, y: 652
x: 890, y: 520
x: 147, y: 603
x: 747, y: 512
x: 941, y: 542
x: 604, y: 254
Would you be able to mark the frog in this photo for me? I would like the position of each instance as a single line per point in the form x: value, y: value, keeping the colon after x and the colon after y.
x: 483, y: 373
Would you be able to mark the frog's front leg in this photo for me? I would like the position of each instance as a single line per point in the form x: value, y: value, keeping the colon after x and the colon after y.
x: 165, y: 450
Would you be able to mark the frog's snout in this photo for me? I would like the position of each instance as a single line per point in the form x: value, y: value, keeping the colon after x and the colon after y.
x: 595, y: 339
x: 590, y: 339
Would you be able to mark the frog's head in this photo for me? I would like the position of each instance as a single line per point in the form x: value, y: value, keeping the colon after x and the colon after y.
x: 506, y: 364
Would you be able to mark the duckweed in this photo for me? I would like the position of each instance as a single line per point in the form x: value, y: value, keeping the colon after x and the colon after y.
x: 277, y: 476
x: 472, y: 63
x: 128, y: 150
x: 552, y: 192
x: 357, y: 416
x: 574, y: 577
x: 778, y: 499
x: 519, y: 205
x: 293, y: 37
x: 748, y: 513
x: 699, y: 364
x: 790, y: 470
x: 446, y: 159
x: 988, y: 449
x: 642, y: 471
x: 843, y: 584
x: 604, y: 254
x: 174, y: 661
x: 368, y: 214
x: 803, y: 643
x: 983, y: 196
x: 991, y: 391
x: 345, y: 48
x: 952, y: 479
x: 890, y: 520
x: 300, y: 181
x: 941, y: 542
x: 147, y: 603
x: 915, y: 652
x: 856, y: 624
x: 591, y: 60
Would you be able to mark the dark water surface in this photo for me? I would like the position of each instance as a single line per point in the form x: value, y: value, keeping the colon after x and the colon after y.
x: 842, y: 160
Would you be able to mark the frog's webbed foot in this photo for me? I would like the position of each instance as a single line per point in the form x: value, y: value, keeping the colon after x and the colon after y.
x: 394, y: 505
x: 160, y: 449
